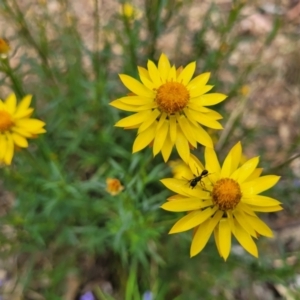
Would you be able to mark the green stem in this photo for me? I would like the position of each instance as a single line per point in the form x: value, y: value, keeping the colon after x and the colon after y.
x: 16, y: 83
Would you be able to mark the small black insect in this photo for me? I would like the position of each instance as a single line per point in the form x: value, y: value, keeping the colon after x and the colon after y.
x: 193, y: 182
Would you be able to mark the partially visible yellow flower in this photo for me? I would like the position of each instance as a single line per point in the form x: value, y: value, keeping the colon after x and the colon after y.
x: 4, y: 48
x: 170, y: 108
x: 128, y: 10
x: 16, y: 126
x: 180, y: 170
x: 224, y: 202
x: 114, y: 186
x: 245, y: 90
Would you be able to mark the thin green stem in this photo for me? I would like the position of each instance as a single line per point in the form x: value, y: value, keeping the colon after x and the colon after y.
x: 16, y: 83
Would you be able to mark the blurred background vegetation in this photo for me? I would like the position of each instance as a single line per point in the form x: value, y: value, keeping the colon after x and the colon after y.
x: 62, y: 235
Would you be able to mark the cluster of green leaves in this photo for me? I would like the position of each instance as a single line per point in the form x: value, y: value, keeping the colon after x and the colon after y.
x: 62, y: 214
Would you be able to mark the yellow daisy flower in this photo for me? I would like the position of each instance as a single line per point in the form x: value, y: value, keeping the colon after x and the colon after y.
x: 223, y: 200
x: 170, y: 107
x: 16, y: 126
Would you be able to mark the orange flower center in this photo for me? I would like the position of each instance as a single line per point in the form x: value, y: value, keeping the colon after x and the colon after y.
x: 226, y: 194
x: 6, y: 121
x: 172, y: 97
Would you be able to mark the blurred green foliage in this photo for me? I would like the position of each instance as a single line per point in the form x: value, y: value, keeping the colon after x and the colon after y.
x: 63, y: 221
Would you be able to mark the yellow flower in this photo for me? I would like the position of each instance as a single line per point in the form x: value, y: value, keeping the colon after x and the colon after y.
x: 114, y: 186
x: 130, y: 12
x: 4, y: 47
x: 180, y: 169
x: 225, y: 202
x: 245, y: 90
x: 16, y: 126
x: 127, y: 10
x: 170, y: 108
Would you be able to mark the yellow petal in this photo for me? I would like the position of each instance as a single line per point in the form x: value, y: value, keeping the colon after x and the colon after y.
x: 135, y: 100
x: 186, y: 204
x: 258, y: 200
x: 259, y: 226
x: 154, y: 74
x: 195, y: 165
x: 196, y: 85
x: 22, y: 132
x: 19, y: 140
x: 180, y: 186
x: 175, y: 185
x: 211, y: 161
x: 191, y: 220
x: 203, y: 233
x: 167, y: 148
x: 134, y: 108
x: 182, y: 145
x: 217, y: 240
x: 164, y: 67
x: 38, y: 131
x: 135, y: 119
x: 230, y: 219
x: 246, y: 169
x: 24, y: 104
x: 162, y: 120
x: 202, y: 137
x: 174, y: 197
x: 187, y: 130
x: 145, y: 79
x: 147, y: 83
x: 178, y: 71
x: 136, y: 87
x: 150, y: 120
x: 3, y: 146
x: 244, y: 239
x: 242, y: 220
x: 232, y: 160
x: 256, y: 173
x: 173, y: 128
x: 10, y: 103
x: 23, y: 113
x: 195, y: 105
x: 204, y: 120
x: 144, y: 138
x: 31, y: 125
x: 212, y: 114
x: 211, y: 99
x: 246, y: 208
x: 143, y: 72
x: 172, y: 74
x: 9, y: 153
x: 187, y: 73
x: 224, y: 238
x: 189, y: 116
x: 266, y: 208
x: 160, y: 137
x: 258, y: 185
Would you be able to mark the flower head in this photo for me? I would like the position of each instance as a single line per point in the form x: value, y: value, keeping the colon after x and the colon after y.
x: 130, y: 12
x: 223, y: 202
x: 16, y: 126
x: 4, y: 48
x: 114, y: 186
x: 170, y: 108
x: 127, y: 10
